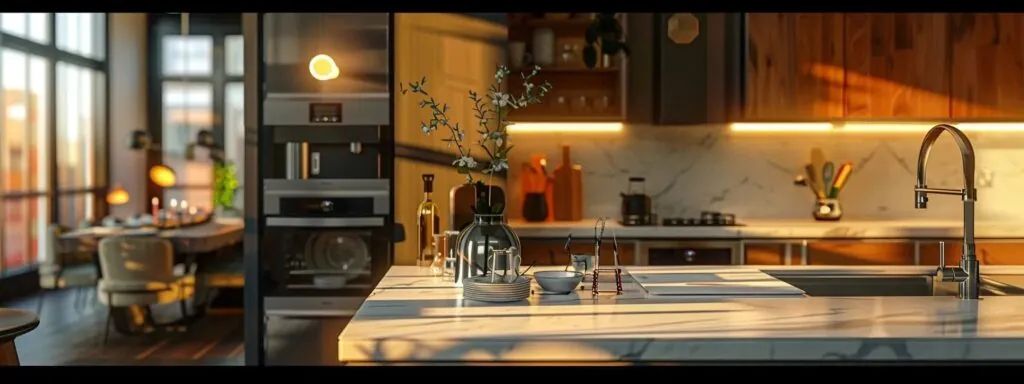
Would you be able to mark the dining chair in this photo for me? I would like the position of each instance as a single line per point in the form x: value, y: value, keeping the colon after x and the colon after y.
x: 139, y: 271
x: 64, y: 267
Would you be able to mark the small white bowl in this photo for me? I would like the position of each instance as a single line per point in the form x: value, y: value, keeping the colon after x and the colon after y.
x: 558, y: 281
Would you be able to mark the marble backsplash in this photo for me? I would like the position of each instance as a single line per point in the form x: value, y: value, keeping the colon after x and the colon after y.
x: 694, y: 168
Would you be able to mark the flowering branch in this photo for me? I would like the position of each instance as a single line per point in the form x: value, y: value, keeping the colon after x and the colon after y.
x: 491, y: 112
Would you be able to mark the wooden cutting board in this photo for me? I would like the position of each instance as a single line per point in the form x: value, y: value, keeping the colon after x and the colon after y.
x: 711, y: 282
x: 568, y: 191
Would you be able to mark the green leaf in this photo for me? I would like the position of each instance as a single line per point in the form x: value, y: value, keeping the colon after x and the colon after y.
x: 590, y: 56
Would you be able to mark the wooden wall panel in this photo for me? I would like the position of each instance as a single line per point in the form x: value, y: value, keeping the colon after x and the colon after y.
x: 897, y: 65
x: 988, y: 60
x: 860, y: 253
x: 794, y: 66
x: 457, y: 54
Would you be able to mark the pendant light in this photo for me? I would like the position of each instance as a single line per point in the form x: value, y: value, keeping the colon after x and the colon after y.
x: 322, y: 65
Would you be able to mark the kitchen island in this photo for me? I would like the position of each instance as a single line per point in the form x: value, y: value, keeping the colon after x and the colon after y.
x: 412, y: 317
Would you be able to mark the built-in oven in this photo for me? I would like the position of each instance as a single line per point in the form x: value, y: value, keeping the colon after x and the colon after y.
x: 326, y: 244
x: 689, y: 253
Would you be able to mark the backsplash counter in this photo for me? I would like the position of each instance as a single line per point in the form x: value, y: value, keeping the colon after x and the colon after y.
x: 696, y: 168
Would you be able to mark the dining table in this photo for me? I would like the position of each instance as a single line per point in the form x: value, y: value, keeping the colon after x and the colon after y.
x: 14, y: 323
x: 196, y: 244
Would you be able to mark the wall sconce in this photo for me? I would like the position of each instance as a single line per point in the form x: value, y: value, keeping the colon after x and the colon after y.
x: 683, y: 28
x: 323, y: 67
x: 118, y: 195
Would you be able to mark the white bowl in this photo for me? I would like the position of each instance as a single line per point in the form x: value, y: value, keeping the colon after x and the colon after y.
x: 558, y: 281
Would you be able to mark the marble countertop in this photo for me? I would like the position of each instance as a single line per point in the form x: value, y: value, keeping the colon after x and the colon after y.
x: 779, y: 229
x: 412, y: 317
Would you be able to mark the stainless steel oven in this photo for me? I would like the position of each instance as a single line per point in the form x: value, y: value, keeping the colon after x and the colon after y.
x: 326, y: 244
x: 689, y: 253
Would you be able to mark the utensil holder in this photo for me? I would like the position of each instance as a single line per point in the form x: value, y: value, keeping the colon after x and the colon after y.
x: 827, y: 210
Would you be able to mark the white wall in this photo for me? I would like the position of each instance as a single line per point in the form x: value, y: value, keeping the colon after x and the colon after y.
x: 127, y: 107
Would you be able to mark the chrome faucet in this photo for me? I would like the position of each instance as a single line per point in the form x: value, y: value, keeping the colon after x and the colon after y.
x: 966, y: 273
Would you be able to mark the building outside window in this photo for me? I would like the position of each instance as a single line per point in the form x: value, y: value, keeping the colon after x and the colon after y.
x: 200, y: 88
x: 52, y: 128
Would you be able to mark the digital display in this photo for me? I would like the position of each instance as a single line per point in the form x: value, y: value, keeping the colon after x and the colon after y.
x: 325, y: 113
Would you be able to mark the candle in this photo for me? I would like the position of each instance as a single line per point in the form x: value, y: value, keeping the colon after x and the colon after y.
x: 174, y: 203
x: 192, y: 210
x: 184, y: 205
x: 156, y: 210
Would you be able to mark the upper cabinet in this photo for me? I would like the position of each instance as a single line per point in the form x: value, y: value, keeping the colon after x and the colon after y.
x: 556, y: 42
x: 794, y: 66
x: 884, y: 66
x: 988, y: 60
x: 897, y: 65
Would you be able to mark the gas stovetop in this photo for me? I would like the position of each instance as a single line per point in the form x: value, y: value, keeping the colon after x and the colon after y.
x: 706, y: 219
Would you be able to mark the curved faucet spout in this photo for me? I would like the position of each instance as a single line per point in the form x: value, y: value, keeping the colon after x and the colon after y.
x: 966, y: 273
x: 966, y: 155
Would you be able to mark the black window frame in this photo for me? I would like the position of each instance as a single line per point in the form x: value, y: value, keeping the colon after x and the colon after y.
x: 217, y: 25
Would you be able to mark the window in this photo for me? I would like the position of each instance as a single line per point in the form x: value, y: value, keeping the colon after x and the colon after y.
x: 52, y: 92
x: 79, y: 106
x: 200, y: 89
x: 31, y: 26
x: 83, y: 34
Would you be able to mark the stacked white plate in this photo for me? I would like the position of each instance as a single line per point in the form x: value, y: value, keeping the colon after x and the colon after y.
x: 482, y: 289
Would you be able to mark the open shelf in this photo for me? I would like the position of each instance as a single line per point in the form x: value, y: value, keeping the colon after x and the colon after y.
x: 579, y: 94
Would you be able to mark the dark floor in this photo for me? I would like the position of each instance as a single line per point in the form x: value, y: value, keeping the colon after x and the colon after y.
x: 74, y: 336
x: 70, y: 336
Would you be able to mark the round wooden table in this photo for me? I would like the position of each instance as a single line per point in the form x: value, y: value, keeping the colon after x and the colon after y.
x: 14, y: 323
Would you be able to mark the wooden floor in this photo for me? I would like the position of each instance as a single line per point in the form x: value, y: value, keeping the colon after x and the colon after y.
x: 70, y: 336
x: 74, y: 336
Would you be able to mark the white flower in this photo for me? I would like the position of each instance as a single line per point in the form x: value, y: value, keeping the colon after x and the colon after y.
x: 528, y: 86
x: 465, y: 161
x: 500, y: 99
x: 424, y: 127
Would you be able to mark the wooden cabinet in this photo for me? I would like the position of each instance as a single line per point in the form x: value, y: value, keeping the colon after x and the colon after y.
x: 794, y: 66
x: 989, y: 252
x: 755, y: 253
x: 988, y: 60
x: 851, y: 252
x: 897, y: 65
x: 884, y: 66
x: 550, y: 252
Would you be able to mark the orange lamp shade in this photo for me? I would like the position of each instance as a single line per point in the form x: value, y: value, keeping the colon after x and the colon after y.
x: 162, y: 176
x: 117, y: 196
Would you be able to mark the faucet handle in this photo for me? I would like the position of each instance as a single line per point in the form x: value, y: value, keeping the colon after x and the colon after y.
x: 942, y: 254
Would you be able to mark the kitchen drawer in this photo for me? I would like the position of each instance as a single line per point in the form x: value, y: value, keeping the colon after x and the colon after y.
x: 860, y: 253
x: 551, y: 252
x: 764, y: 253
x: 989, y: 253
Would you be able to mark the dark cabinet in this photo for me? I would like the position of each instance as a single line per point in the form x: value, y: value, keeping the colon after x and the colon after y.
x: 692, y: 82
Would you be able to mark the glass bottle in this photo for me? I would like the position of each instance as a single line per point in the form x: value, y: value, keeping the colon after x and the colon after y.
x: 428, y: 223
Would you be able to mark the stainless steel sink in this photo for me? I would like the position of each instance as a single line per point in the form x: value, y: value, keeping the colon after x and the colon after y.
x: 835, y: 285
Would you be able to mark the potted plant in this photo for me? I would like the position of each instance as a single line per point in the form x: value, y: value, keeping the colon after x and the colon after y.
x: 604, y: 37
x: 492, y: 111
x: 225, y: 184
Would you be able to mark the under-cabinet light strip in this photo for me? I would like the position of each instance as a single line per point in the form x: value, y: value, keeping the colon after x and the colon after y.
x: 869, y: 127
x: 565, y: 127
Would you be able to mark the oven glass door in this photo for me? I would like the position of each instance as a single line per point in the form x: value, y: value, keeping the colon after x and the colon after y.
x: 305, y: 259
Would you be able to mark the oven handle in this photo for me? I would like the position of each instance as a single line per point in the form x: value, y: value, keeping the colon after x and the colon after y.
x: 325, y: 222
x: 335, y: 193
